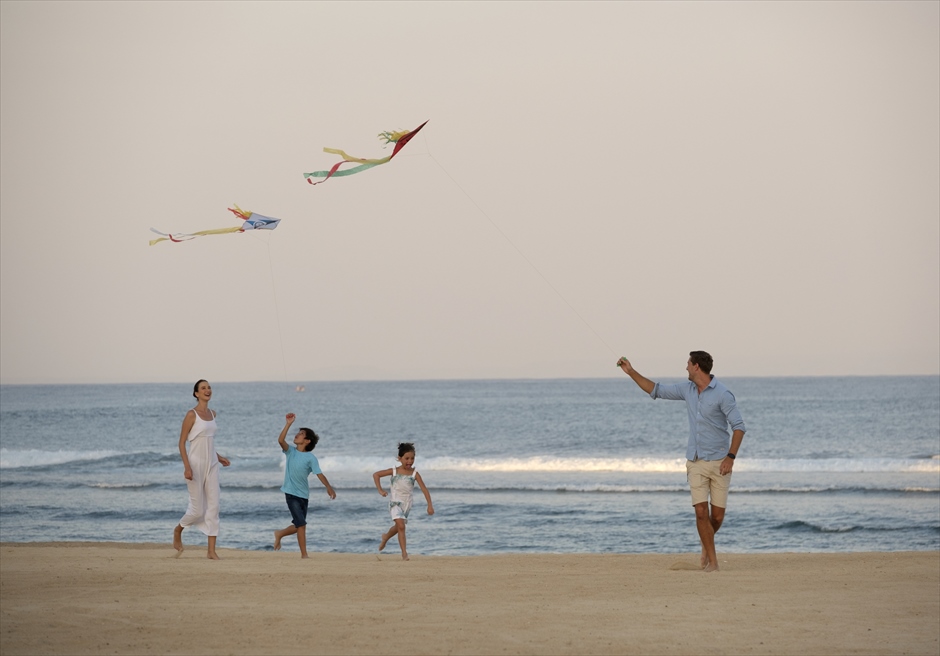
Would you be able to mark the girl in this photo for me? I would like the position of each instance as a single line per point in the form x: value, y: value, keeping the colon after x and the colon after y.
x: 402, y: 487
x: 201, y: 470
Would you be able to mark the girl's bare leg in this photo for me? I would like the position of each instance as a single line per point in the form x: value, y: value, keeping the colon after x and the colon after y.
x: 400, y: 525
x: 388, y: 536
x: 212, y: 554
x: 290, y: 530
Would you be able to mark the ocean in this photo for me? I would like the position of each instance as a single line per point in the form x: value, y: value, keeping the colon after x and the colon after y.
x: 550, y: 466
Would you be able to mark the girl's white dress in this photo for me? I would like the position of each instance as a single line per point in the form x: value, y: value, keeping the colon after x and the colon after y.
x: 401, y: 494
x: 203, y: 510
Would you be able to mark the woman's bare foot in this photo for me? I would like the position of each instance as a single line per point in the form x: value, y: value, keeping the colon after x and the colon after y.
x: 178, y: 540
x: 385, y: 539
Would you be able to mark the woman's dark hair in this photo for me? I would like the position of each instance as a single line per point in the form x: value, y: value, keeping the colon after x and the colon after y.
x: 310, y: 435
x: 405, y: 447
x: 703, y: 360
x: 196, y: 386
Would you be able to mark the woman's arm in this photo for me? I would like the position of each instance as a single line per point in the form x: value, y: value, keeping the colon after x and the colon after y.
x: 188, y: 422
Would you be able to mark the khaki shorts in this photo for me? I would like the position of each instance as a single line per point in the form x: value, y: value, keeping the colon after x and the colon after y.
x: 706, y: 481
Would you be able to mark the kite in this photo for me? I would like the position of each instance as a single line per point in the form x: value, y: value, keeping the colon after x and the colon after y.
x: 251, y: 221
x: 397, y: 138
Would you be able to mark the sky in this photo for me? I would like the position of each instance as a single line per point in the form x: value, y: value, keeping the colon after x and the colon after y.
x: 758, y: 180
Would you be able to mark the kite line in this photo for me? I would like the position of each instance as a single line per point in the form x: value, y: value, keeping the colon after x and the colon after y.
x: 277, y: 309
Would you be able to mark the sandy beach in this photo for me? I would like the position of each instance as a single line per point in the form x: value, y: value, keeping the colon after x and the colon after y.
x: 114, y: 598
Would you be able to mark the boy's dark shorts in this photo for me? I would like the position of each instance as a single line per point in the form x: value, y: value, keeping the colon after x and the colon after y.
x: 298, y: 510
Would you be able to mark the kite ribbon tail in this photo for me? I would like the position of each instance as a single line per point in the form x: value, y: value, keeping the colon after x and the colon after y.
x: 326, y: 175
x: 240, y: 213
x: 163, y: 237
x: 336, y: 173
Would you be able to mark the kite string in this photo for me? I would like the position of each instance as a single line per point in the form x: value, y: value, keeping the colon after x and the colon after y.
x: 277, y: 310
x: 518, y: 250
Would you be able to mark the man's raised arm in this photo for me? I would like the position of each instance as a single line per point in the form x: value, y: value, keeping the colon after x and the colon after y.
x: 645, y: 383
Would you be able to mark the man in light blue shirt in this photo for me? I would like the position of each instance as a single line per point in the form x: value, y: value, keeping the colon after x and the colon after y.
x: 711, y: 451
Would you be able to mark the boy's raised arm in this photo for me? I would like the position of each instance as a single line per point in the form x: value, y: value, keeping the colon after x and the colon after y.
x: 282, y: 439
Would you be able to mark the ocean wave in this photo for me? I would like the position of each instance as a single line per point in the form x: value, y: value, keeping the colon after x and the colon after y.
x: 811, y: 527
x: 538, y: 464
x: 12, y: 459
x: 124, y: 486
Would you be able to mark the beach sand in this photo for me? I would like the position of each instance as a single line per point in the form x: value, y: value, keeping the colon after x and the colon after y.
x: 112, y: 598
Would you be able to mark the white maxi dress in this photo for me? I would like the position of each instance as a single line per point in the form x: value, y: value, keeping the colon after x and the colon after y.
x: 203, y: 510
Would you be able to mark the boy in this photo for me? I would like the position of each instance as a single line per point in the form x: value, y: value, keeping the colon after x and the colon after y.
x: 300, y: 464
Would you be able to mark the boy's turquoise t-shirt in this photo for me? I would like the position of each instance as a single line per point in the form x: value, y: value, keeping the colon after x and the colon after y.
x: 300, y: 464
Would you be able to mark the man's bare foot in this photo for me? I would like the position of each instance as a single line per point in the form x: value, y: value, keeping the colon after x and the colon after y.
x: 277, y: 540
x: 711, y: 568
x: 213, y: 556
x: 178, y: 540
x: 704, y: 558
x: 385, y: 538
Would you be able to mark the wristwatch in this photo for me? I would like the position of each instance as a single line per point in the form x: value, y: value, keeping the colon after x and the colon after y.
x: 731, y: 455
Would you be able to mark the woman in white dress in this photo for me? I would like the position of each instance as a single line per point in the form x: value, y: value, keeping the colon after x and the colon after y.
x: 200, y: 469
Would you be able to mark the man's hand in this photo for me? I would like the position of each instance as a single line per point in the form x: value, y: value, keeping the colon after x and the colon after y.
x: 624, y: 364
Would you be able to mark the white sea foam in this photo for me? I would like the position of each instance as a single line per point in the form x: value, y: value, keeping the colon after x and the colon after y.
x: 10, y: 458
x: 628, y: 465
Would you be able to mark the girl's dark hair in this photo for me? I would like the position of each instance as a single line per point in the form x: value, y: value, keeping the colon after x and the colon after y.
x: 313, y: 437
x: 405, y: 447
x: 196, y: 386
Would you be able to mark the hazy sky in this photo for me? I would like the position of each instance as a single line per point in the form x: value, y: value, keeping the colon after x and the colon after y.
x: 759, y: 180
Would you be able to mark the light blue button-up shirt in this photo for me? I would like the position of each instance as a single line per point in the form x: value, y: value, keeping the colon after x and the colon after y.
x: 710, y: 414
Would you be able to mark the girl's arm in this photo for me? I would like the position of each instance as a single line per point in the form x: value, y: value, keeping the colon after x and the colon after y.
x: 329, y: 488
x: 282, y: 439
x: 381, y: 474
x: 188, y: 422
x: 427, y: 495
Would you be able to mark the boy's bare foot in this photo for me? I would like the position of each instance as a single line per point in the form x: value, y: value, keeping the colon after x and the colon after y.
x: 385, y: 538
x: 213, y: 556
x: 277, y: 540
x: 178, y: 540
